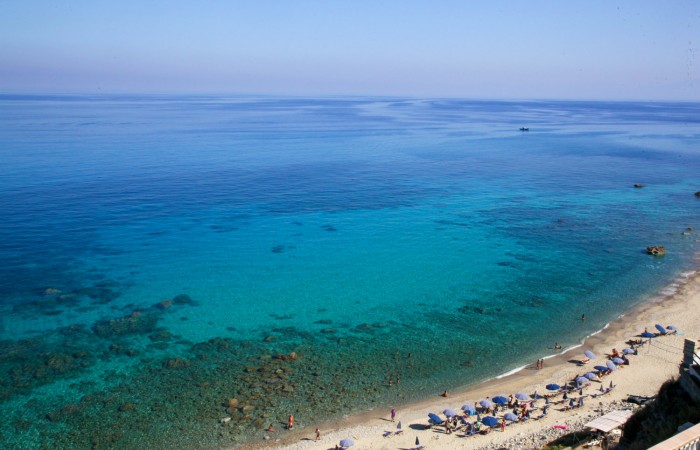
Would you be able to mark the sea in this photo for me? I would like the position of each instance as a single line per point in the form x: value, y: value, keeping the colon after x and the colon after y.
x: 183, y: 271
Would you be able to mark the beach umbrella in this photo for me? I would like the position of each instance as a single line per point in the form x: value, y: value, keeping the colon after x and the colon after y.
x: 627, y: 351
x: 581, y: 380
x: 522, y: 396
x: 589, y: 354
x: 590, y: 376
x: 603, y: 368
x: 618, y: 361
x: 345, y: 443
x: 435, y: 418
x: 510, y: 416
x: 468, y: 407
x: 490, y: 421
x: 661, y: 329
x: 646, y: 334
x: 671, y: 327
x: 611, y: 365
x: 500, y: 400
x: 554, y: 386
x: 486, y: 404
x: 450, y: 412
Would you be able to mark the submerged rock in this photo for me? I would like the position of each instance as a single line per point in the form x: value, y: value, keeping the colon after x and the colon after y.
x: 183, y: 299
x: 51, y: 291
x: 639, y: 185
x: 176, y: 363
x: 165, y: 304
x: 133, y: 324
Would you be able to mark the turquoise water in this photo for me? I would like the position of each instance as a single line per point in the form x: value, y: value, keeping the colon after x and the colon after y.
x: 372, y: 237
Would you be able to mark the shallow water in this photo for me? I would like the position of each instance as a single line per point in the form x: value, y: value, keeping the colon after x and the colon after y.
x: 374, y: 238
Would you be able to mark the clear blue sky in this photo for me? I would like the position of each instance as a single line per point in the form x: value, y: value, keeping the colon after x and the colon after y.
x: 597, y: 49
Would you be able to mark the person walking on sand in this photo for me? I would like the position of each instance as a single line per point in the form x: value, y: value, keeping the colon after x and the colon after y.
x: 318, y: 434
x: 503, y: 425
x: 290, y: 422
x: 393, y: 414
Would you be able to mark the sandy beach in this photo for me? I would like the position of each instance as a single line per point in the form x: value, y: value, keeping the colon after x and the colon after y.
x: 656, y: 362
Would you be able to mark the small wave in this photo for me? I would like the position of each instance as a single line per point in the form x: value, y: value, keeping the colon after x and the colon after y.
x: 511, y: 372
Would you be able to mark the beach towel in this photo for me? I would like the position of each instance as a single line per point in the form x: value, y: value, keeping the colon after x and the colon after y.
x: 561, y: 427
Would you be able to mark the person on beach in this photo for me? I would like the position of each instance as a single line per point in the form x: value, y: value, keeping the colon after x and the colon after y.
x: 290, y: 422
x: 503, y: 425
x: 393, y: 414
x: 318, y: 434
x: 510, y: 401
x: 583, y: 317
x: 270, y: 429
x: 444, y: 394
x: 557, y: 346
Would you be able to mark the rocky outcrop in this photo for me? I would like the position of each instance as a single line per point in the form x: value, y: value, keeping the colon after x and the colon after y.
x: 656, y: 250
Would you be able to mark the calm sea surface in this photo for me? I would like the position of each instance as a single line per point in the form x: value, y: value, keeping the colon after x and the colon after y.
x: 161, y: 255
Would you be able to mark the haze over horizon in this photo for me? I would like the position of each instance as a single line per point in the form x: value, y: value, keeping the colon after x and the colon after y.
x: 539, y: 49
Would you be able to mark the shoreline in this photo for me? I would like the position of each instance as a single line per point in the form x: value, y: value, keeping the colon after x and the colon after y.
x: 367, y: 427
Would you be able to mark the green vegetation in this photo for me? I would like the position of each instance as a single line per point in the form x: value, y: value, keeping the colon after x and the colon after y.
x: 660, y: 419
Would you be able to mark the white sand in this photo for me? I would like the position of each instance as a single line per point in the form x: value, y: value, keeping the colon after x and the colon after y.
x: 656, y: 363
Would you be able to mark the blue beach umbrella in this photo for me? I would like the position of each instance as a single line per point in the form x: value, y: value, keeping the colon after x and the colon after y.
x: 500, y: 400
x: 450, y: 412
x: 468, y: 407
x: 489, y: 421
x: 581, y: 380
x: 661, y: 329
x: 590, y: 376
x: 589, y: 354
x: 486, y: 404
x: 646, y: 334
x: 435, y: 418
x: 510, y: 416
x: 627, y: 351
x: 554, y: 386
x: 345, y: 443
x: 603, y: 368
x: 671, y: 327
x: 611, y: 365
x: 618, y: 361
x: 522, y: 396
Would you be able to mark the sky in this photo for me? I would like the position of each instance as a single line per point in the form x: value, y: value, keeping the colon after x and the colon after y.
x: 534, y: 49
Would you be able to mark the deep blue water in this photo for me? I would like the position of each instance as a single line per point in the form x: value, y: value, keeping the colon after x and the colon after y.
x: 351, y: 231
